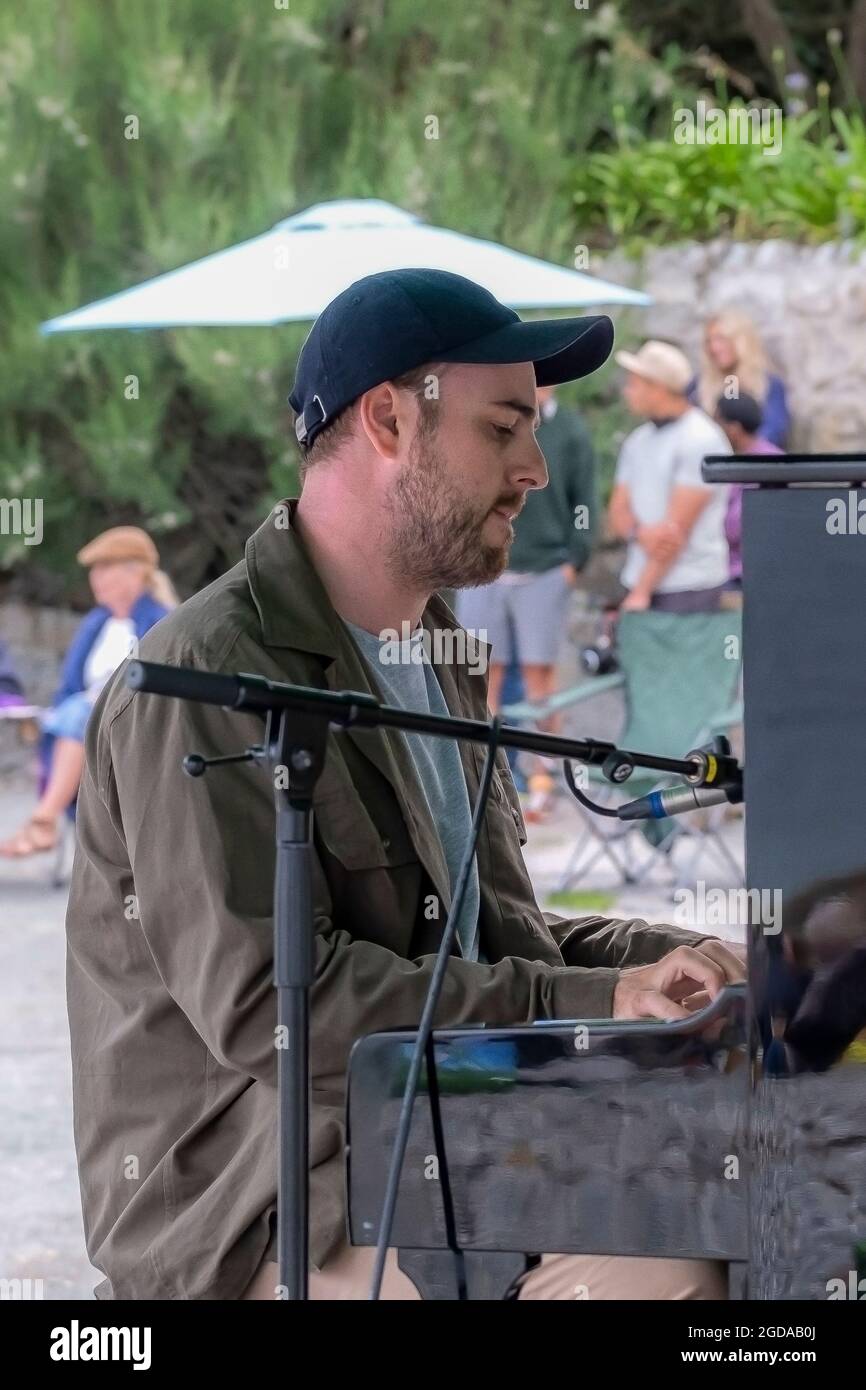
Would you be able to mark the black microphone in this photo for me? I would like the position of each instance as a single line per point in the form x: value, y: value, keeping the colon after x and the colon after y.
x: 674, y: 802
x: 184, y: 683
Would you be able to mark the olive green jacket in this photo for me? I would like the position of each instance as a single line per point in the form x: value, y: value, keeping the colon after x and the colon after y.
x: 169, y: 967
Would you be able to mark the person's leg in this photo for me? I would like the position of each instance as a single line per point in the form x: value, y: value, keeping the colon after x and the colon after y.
x: 540, y: 682
x: 504, y: 673
x: 39, y: 833
x: 483, y: 612
x: 512, y: 692
x: 347, y: 1275
x: 67, y: 765
x: 495, y: 679
x: 540, y: 608
x: 566, y: 1278
x: 513, y: 689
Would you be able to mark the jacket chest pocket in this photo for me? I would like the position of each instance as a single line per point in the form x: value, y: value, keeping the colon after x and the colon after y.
x: 362, y: 827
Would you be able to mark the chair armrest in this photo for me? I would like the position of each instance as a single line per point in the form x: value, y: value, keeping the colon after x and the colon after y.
x: 525, y: 712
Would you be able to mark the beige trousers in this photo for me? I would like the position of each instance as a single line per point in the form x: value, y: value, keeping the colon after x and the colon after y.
x: 560, y: 1277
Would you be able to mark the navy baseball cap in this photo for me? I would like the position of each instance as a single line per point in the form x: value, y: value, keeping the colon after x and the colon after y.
x: 390, y: 323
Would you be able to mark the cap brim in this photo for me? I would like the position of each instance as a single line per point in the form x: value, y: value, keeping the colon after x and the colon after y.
x: 559, y: 349
x: 630, y: 363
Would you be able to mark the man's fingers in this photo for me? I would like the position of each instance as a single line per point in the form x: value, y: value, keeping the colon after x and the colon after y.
x: 651, y: 1003
x: 682, y: 988
x: 687, y: 963
x: 729, y: 955
x: 693, y: 1002
x: 686, y: 979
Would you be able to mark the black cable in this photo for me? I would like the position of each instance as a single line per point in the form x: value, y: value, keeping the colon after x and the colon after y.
x: 444, y: 1175
x: 425, y: 1027
x: 584, y: 800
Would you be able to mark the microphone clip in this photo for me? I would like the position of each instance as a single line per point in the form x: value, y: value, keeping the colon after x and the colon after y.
x: 716, y: 766
x: 194, y: 765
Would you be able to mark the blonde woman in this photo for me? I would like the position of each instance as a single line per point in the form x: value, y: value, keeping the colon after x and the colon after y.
x: 132, y: 593
x: 732, y: 347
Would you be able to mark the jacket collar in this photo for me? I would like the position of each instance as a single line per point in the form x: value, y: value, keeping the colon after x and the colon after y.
x: 292, y: 603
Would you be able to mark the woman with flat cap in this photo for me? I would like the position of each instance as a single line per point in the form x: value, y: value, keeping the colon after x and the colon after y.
x: 132, y: 593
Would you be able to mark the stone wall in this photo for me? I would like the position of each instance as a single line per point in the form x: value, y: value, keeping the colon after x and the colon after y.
x: 808, y: 301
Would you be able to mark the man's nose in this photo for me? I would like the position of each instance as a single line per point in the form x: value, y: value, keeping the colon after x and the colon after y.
x: 532, y: 470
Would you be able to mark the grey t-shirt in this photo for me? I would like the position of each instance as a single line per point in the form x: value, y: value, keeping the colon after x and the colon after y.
x: 653, y: 461
x: 406, y: 677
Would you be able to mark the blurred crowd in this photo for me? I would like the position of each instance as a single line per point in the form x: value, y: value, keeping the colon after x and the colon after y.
x: 681, y: 536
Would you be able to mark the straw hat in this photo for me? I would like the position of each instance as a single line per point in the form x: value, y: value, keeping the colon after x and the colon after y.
x: 659, y: 362
x: 120, y: 543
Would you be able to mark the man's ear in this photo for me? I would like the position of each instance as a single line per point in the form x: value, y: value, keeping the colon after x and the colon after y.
x: 384, y: 417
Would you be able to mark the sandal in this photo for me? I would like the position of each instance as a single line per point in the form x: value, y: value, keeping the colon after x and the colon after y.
x: 542, y: 799
x: 38, y: 836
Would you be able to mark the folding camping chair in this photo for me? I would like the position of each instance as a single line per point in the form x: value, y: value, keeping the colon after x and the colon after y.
x: 680, y: 677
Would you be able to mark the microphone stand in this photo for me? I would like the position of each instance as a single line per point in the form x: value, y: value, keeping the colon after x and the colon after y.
x: 297, y: 720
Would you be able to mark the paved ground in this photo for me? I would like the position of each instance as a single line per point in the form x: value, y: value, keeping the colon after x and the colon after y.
x: 40, y: 1222
x: 40, y: 1219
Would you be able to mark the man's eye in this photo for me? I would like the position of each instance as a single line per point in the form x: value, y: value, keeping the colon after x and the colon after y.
x: 503, y: 429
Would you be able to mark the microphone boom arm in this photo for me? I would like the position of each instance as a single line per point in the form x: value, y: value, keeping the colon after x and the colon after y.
x: 352, y: 708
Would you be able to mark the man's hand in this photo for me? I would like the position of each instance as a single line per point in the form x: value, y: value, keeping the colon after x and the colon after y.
x: 638, y: 601
x: 570, y: 573
x: 661, y: 541
x: 671, y: 987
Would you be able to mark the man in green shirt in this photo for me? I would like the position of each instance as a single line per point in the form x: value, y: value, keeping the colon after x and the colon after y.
x: 522, y: 613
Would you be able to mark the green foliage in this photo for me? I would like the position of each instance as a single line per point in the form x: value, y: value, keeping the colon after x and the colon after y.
x: 246, y: 113
x: 658, y: 190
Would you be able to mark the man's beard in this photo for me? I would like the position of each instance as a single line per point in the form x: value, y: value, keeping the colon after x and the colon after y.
x: 435, y: 537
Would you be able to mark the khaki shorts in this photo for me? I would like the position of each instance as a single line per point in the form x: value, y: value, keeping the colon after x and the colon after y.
x: 347, y: 1276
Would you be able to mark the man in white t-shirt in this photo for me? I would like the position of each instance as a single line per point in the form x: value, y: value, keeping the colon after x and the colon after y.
x: 674, y: 523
